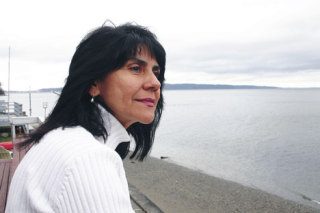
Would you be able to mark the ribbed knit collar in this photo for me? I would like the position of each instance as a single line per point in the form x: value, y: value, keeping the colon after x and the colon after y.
x: 116, y: 132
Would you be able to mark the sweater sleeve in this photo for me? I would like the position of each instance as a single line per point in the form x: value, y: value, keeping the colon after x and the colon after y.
x: 94, y: 182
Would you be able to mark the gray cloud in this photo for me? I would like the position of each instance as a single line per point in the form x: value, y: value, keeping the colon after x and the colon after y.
x: 238, y: 39
x: 291, y: 55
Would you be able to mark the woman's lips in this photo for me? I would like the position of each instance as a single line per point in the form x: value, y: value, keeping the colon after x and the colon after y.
x: 147, y: 101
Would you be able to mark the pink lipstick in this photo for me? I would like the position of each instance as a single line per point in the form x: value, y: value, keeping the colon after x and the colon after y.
x: 147, y: 101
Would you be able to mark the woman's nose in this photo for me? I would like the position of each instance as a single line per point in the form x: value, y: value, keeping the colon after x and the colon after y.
x: 152, y: 82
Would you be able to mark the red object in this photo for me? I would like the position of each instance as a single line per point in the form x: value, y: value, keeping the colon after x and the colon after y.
x: 8, y: 145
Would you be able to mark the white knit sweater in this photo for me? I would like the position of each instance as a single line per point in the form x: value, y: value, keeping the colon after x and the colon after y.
x: 72, y: 171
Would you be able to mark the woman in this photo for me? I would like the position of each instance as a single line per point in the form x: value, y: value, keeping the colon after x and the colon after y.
x: 113, y: 90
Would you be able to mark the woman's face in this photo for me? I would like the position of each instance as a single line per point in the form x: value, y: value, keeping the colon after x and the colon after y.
x: 133, y: 91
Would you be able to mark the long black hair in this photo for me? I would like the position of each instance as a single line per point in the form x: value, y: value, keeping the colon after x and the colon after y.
x: 102, y: 51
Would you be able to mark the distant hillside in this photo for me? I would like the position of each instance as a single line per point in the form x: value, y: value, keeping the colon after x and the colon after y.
x: 50, y: 90
x: 188, y: 87
x: 175, y: 87
x: 212, y: 86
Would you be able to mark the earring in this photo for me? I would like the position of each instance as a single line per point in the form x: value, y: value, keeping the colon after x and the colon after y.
x: 92, y: 99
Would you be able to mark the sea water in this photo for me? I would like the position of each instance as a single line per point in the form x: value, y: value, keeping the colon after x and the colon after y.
x: 265, y: 139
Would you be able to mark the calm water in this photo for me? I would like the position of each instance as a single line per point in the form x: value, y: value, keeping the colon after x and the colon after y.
x: 266, y: 139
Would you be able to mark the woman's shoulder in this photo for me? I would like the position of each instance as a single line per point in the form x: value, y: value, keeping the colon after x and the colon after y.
x: 75, y: 134
x: 63, y: 149
x: 70, y: 138
x: 50, y: 164
x: 63, y: 146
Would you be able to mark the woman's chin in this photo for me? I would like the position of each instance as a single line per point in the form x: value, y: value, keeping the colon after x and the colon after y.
x: 147, y: 120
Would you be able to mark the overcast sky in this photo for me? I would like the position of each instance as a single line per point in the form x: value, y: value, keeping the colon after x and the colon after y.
x: 243, y: 42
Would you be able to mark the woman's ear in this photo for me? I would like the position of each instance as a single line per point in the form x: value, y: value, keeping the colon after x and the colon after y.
x: 94, y: 90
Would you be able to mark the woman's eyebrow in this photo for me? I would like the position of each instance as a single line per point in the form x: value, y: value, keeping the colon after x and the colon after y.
x: 138, y: 61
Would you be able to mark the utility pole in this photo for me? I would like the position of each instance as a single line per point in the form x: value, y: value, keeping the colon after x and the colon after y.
x: 45, y: 105
x: 30, y: 110
x: 9, y: 83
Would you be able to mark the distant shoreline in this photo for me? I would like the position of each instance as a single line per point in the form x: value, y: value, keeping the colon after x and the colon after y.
x: 187, y: 86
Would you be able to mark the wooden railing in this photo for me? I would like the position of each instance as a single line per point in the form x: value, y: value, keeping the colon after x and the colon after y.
x: 7, y: 168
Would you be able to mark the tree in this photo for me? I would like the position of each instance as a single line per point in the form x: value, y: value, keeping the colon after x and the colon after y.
x: 1, y: 90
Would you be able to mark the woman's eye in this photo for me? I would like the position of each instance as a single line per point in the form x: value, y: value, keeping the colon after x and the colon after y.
x: 156, y: 72
x: 135, y: 69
